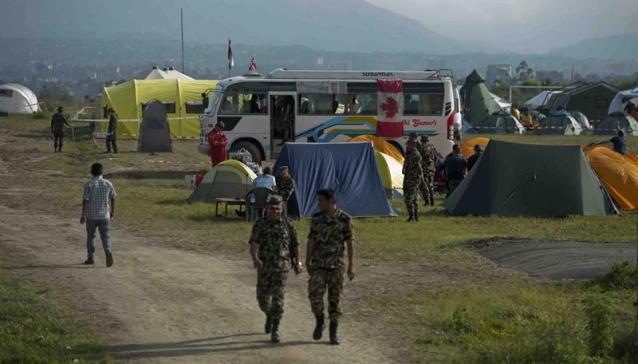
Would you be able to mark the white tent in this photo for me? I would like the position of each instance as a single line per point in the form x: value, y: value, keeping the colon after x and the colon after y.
x: 167, y: 73
x: 504, y: 104
x: 621, y: 99
x: 19, y: 99
x: 539, y: 100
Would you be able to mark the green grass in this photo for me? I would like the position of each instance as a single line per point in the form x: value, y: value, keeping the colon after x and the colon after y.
x: 510, y: 321
x: 31, y: 330
x: 467, y: 311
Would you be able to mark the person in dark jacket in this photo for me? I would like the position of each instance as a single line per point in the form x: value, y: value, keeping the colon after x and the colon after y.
x: 111, y: 138
x: 455, y: 166
x: 478, y: 152
x: 57, y: 129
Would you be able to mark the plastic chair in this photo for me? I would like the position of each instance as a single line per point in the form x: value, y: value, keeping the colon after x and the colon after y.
x: 256, y: 202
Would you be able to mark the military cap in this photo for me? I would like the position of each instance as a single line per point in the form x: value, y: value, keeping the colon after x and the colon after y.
x: 412, y: 135
x: 220, y: 124
x: 275, y: 200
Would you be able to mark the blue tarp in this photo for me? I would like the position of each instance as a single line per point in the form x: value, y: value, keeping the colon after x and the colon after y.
x: 348, y: 168
x: 467, y: 126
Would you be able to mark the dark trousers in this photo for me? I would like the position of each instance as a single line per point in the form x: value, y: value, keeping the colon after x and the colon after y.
x: 58, y: 140
x: 111, y: 142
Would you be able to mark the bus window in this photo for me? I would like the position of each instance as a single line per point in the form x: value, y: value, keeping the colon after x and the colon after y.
x: 323, y: 104
x: 234, y: 103
x: 362, y: 104
x: 422, y: 104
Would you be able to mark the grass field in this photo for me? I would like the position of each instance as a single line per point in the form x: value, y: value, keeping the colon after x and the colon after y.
x: 31, y: 330
x: 465, y: 310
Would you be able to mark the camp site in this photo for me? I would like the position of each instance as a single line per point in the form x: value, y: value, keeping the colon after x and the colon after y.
x: 319, y: 181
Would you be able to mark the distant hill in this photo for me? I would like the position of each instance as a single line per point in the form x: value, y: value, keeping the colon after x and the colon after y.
x: 337, y: 25
x: 621, y: 47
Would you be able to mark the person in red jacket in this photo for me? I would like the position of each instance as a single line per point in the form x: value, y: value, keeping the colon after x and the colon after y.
x: 217, y: 142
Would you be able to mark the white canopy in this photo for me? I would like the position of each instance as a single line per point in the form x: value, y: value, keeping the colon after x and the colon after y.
x: 622, y: 98
x: 15, y: 98
x: 539, y: 100
x: 166, y: 74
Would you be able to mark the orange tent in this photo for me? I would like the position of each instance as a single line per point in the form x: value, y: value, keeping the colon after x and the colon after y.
x: 381, y: 145
x: 467, y: 148
x: 617, y: 172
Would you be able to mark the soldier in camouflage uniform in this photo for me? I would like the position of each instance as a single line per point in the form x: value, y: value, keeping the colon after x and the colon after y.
x: 412, y: 179
x: 274, y: 248
x: 428, y: 155
x: 285, y: 186
x: 330, y: 236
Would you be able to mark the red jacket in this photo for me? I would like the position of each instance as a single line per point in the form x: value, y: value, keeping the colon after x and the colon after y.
x: 217, y: 142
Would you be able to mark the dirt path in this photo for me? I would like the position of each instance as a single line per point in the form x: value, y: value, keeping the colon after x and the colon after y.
x: 160, y: 304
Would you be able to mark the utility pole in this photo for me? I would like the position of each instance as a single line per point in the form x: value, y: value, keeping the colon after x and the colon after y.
x: 572, y: 73
x: 181, y: 15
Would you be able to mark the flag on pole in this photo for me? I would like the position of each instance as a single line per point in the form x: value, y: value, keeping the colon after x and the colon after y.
x: 253, y: 65
x: 389, y: 108
x: 231, y: 62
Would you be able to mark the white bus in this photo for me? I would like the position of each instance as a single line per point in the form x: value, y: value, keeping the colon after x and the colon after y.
x: 261, y: 113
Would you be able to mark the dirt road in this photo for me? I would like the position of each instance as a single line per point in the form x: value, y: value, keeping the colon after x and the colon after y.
x: 160, y: 304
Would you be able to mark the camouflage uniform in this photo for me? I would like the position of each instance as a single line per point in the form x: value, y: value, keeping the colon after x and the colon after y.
x: 412, y: 179
x: 276, y: 239
x: 327, y: 264
x: 428, y: 154
x: 285, y: 187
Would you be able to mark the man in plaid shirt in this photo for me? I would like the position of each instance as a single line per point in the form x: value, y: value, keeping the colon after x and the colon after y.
x: 98, y: 205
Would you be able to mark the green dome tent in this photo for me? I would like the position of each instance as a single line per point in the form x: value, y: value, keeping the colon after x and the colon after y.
x: 617, y: 121
x: 514, y: 179
x: 563, y: 124
x: 483, y: 111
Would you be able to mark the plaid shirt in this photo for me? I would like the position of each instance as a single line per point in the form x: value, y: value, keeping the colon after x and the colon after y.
x: 97, y: 193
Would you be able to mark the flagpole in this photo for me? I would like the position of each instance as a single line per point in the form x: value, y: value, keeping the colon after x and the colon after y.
x: 181, y: 15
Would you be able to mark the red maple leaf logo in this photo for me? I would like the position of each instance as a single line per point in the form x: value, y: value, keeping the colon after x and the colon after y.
x: 390, y: 107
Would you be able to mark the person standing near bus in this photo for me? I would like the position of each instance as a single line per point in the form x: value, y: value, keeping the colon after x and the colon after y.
x: 412, y: 179
x: 217, y: 142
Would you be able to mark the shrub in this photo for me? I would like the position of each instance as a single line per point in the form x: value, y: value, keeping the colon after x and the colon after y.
x: 598, y: 309
x: 622, y: 275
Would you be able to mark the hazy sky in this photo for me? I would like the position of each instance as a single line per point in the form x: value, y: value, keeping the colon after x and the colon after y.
x: 529, y: 26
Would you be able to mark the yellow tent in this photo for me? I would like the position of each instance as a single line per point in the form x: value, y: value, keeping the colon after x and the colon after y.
x: 181, y: 97
x: 390, y: 171
x: 618, y: 173
x: 467, y: 148
x: 381, y: 145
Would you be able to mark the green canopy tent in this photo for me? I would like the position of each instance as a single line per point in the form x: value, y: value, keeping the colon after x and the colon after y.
x: 563, y: 124
x: 617, y: 121
x: 482, y: 110
x: 514, y: 179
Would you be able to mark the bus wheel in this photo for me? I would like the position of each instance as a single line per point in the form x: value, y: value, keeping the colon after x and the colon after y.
x: 250, y: 147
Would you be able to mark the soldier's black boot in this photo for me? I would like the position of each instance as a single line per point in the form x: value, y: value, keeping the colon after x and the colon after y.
x: 411, y: 217
x: 274, y: 333
x: 416, y: 214
x: 268, y: 325
x: 318, y: 328
x: 334, y: 339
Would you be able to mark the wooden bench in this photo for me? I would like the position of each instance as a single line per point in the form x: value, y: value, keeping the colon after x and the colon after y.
x: 228, y: 202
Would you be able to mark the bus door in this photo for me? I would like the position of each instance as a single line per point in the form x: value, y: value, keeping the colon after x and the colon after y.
x: 282, y: 120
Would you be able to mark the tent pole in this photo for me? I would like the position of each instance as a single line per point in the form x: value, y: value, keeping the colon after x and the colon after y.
x: 181, y: 15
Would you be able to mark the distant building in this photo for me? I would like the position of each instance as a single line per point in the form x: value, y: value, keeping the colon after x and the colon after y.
x: 498, y: 73
x: 524, y: 72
